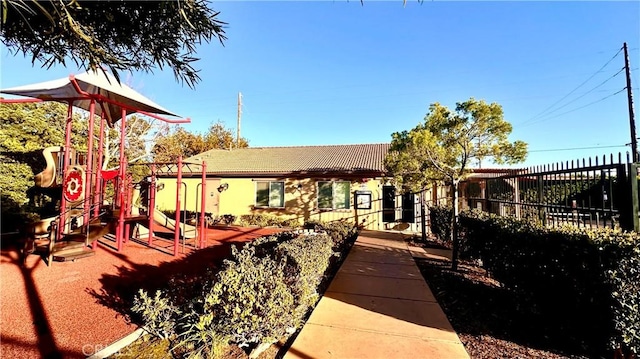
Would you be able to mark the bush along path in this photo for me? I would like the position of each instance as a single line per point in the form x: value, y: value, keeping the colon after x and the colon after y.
x: 261, y: 295
x: 573, y: 290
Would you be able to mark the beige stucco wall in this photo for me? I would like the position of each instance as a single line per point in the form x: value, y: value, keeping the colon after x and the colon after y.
x: 300, y: 203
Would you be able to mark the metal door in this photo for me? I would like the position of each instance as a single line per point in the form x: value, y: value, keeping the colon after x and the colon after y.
x: 388, y: 204
x: 408, y: 208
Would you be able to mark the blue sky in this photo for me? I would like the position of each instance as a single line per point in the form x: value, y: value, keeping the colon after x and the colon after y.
x: 338, y: 72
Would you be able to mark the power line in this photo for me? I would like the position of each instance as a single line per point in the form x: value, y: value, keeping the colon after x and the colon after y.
x: 575, y: 89
x: 583, y: 95
x: 575, y: 109
x: 576, y: 148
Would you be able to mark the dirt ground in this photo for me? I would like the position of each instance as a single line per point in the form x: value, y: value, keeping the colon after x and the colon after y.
x: 485, y: 316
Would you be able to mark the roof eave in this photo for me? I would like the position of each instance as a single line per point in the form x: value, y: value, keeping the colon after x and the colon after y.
x: 294, y: 174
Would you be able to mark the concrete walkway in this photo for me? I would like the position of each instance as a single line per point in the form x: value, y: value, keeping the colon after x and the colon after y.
x: 378, y: 306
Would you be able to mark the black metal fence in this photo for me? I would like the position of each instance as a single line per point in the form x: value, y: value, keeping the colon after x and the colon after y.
x: 600, y: 192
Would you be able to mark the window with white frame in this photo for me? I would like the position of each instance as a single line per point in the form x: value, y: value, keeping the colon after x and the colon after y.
x: 334, y: 194
x: 270, y: 194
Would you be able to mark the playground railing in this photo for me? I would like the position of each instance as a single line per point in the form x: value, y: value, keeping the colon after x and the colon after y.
x: 68, y: 221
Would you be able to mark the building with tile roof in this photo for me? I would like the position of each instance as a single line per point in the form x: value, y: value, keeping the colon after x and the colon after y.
x: 300, y: 161
x: 300, y: 183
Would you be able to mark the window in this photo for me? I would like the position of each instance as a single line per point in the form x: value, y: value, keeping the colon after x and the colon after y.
x: 334, y: 194
x: 270, y: 194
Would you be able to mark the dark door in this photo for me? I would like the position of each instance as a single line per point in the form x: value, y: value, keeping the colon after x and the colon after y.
x: 408, y: 208
x: 388, y: 204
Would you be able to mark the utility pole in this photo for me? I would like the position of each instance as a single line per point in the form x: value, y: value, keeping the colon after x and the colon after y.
x: 239, y: 118
x: 632, y: 121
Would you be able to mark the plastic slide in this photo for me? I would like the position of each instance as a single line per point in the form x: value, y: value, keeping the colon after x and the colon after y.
x: 47, y: 177
x: 161, y: 219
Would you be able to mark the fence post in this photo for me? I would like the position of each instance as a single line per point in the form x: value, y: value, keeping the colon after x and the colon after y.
x: 628, y: 188
x: 541, y: 209
x: 633, y: 188
x: 516, y: 197
x: 423, y: 217
x: 484, y: 190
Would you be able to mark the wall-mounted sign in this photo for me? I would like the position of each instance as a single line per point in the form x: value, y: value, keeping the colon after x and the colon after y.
x: 363, y: 199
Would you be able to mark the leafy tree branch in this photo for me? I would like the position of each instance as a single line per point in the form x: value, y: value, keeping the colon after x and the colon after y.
x: 441, y: 148
x: 119, y: 35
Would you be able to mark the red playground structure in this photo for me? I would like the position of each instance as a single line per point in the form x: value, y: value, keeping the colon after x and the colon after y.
x: 83, y: 216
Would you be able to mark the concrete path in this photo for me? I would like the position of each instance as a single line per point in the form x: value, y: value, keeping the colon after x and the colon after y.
x: 378, y: 306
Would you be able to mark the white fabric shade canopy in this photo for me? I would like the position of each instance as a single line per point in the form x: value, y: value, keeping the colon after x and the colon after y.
x: 110, y: 95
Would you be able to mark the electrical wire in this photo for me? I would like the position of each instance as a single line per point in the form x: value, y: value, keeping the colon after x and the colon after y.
x: 544, y: 112
x: 576, y: 148
x: 572, y: 110
x: 581, y: 96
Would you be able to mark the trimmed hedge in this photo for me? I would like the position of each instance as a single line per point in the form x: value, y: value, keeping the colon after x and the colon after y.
x: 342, y: 232
x: 192, y: 217
x: 262, y: 294
x: 266, y: 220
x: 589, y: 280
x: 250, y: 301
x: 440, y: 222
x: 307, y: 258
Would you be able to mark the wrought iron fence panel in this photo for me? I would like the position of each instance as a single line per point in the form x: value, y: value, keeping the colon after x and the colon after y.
x: 584, y: 193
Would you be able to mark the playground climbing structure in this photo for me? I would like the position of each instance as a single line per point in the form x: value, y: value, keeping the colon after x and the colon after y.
x: 83, y: 217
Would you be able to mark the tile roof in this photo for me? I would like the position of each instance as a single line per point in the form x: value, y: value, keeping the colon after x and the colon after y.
x: 361, y: 158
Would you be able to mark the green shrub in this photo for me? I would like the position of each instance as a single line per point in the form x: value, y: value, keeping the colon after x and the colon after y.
x: 312, y: 224
x: 290, y: 223
x: 267, y: 289
x: 440, y: 222
x: 250, y: 302
x: 623, y: 276
x: 226, y: 219
x: 343, y: 233
x: 158, y: 313
x: 587, y: 279
x: 307, y: 258
x: 262, y: 294
x: 266, y: 220
x: 201, y: 340
x: 266, y: 246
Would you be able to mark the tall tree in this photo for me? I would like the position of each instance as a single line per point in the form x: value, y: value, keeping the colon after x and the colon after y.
x: 141, y: 133
x: 120, y: 35
x: 183, y: 143
x: 25, y: 130
x: 221, y: 137
x: 443, y: 147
